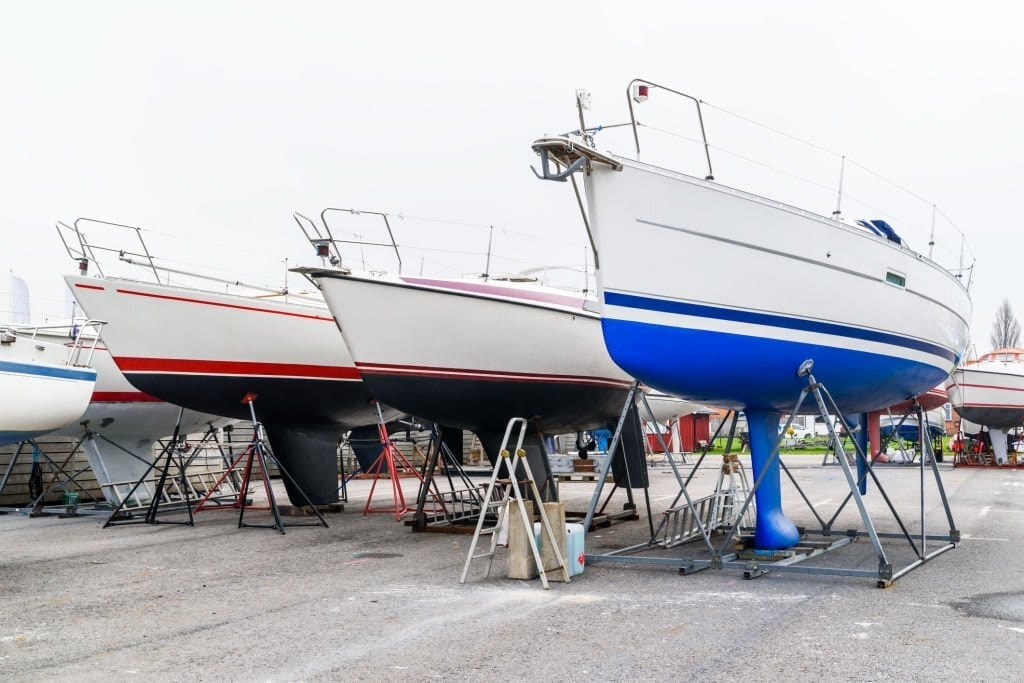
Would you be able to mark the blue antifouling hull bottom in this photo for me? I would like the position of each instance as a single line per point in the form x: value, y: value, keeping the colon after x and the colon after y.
x: 759, y: 373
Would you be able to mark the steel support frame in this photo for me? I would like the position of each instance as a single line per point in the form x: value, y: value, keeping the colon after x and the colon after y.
x: 439, y: 454
x: 884, y: 575
x: 259, y: 450
x: 36, y: 505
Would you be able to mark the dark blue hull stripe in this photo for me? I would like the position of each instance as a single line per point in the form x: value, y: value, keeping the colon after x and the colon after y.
x: 47, y: 371
x: 755, y: 318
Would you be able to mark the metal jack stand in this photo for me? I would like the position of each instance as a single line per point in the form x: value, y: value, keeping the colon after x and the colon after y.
x: 172, y: 456
x: 695, y: 518
x: 170, y: 493
x: 454, y: 509
x: 61, y: 479
x: 385, y: 465
x: 259, y: 451
x: 596, y: 508
x: 792, y: 560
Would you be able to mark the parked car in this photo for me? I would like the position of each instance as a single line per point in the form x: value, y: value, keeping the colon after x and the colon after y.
x: 797, y: 432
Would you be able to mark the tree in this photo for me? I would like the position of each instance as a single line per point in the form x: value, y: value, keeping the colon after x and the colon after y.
x: 1006, y: 329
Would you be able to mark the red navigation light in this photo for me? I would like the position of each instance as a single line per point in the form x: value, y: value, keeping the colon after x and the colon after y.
x: 640, y: 92
x: 249, y: 397
x: 323, y: 248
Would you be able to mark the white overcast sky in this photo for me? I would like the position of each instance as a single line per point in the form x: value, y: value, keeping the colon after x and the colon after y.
x: 209, y: 123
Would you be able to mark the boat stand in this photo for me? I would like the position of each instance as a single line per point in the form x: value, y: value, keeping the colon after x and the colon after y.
x: 172, y: 454
x: 756, y: 563
x: 258, y: 452
x: 978, y: 453
x: 595, y: 513
x: 391, y: 463
x: 454, y: 510
x: 61, y: 478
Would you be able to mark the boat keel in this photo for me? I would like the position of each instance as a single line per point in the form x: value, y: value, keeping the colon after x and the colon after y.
x: 310, y: 454
x: 773, y: 530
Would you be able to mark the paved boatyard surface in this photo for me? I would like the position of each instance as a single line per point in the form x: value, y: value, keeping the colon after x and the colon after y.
x: 368, y: 599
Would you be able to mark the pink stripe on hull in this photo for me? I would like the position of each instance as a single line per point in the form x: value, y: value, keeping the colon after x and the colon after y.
x: 498, y: 290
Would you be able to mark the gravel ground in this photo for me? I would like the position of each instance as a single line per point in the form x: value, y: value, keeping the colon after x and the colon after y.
x: 368, y: 599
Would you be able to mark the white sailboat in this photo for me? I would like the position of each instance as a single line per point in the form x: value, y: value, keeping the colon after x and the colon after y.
x: 990, y: 392
x: 880, y: 321
x: 520, y: 349
x: 43, y: 385
x: 212, y: 352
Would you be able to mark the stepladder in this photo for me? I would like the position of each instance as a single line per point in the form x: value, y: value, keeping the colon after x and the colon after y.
x: 731, y: 490
x: 504, y: 491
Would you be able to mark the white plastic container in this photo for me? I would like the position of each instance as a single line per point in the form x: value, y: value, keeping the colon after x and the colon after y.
x: 574, y: 544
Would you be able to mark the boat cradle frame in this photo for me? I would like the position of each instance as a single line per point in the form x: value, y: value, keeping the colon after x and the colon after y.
x: 755, y: 563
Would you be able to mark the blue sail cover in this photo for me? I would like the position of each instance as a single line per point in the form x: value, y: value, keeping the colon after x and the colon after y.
x: 882, y: 229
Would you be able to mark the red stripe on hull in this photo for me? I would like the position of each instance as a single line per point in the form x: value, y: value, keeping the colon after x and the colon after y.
x: 224, y: 305
x: 123, y: 397
x: 486, y: 375
x: 227, y: 367
x: 97, y: 287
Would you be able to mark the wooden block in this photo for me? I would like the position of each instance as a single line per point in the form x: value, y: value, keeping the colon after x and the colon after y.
x: 556, y: 515
x: 521, y: 564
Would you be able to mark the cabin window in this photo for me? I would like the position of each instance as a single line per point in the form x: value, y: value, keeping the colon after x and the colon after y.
x: 895, y: 279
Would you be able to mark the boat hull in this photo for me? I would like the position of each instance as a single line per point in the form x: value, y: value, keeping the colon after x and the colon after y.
x: 473, y: 355
x: 990, y: 395
x: 208, y: 352
x: 743, y: 311
x: 720, y: 296
x: 38, y: 393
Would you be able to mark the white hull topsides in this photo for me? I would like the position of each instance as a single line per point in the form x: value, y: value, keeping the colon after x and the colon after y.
x: 39, y: 391
x: 765, y: 285
x: 165, y: 328
x: 990, y: 391
x: 467, y: 328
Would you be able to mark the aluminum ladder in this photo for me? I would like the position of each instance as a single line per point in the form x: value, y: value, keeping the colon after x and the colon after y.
x: 510, y: 462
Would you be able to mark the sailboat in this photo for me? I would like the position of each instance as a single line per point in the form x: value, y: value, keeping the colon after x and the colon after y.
x: 210, y: 352
x: 43, y: 385
x: 989, y: 391
x: 519, y: 349
x: 879, y: 321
